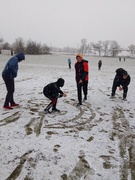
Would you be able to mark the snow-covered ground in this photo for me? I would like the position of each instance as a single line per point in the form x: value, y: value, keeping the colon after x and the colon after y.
x: 95, y: 141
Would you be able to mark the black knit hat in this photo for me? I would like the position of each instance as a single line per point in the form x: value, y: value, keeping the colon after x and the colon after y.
x: 60, y: 82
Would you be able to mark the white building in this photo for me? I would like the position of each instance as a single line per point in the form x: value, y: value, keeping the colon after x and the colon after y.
x: 7, y: 52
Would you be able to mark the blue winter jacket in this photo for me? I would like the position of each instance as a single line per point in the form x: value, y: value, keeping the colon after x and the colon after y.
x: 11, y: 68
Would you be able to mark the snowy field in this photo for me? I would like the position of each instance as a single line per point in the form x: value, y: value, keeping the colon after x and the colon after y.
x: 95, y: 141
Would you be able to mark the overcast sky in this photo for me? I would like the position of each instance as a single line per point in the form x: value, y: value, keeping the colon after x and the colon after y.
x: 64, y: 23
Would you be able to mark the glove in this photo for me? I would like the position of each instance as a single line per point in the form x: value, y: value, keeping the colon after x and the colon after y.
x: 120, y: 88
x: 64, y: 95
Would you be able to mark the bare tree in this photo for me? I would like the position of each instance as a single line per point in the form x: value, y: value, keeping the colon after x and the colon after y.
x: 33, y: 48
x: 38, y: 48
x: 87, y: 49
x: 6, y: 46
x: 131, y: 49
x: 115, y: 48
x: 83, y: 45
x: 105, y: 45
x: 98, y: 47
x: 45, y: 49
x: 19, y: 45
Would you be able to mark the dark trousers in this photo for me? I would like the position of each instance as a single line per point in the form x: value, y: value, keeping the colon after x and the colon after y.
x: 99, y: 67
x: 10, y: 86
x: 53, y: 98
x: 69, y: 65
x: 117, y: 84
x: 83, y: 86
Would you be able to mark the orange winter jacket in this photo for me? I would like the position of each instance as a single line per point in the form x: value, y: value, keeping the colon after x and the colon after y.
x: 82, y: 69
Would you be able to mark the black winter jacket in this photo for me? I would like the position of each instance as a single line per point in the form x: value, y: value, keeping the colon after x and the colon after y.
x: 53, y: 89
x: 119, y: 77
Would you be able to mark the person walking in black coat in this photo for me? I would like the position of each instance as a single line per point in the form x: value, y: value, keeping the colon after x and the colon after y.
x: 99, y: 64
x: 122, y: 80
x: 52, y: 91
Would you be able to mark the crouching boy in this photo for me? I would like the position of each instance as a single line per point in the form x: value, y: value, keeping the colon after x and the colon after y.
x: 52, y: 91
x: 122, y: 80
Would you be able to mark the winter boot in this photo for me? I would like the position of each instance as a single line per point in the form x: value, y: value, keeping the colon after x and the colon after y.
x: 112, y: 96
x: 79, y: 104
x: 85, y: 97
x: 54, y: 109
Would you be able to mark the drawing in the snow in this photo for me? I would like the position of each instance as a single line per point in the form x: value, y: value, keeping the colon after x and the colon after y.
x: 94, y: 141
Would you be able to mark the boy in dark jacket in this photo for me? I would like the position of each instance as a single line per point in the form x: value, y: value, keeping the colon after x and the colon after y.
x: 121, y: 80
x: 53, y: 92
x: 8, y: 75
x: 82, y: 72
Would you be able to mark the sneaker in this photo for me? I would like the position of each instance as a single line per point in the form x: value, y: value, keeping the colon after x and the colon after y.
x: 124, y: 99
x: 47, y: 111
x: 112, y: 97
x: 13, y: 105
x: 7, y: 107
x: 55, y: 110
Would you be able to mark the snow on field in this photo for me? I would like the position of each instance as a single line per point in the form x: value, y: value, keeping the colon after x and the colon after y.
x: 95, y: 141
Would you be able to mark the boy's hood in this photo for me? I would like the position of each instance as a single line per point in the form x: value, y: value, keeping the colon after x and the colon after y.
x: 20, y: 56
x: 80, y: 55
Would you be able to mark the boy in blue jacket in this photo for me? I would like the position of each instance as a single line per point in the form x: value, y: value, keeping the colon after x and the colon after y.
x: 8, y: 75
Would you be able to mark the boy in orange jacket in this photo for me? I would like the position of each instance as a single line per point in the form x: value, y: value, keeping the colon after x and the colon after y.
x: 82, y: 72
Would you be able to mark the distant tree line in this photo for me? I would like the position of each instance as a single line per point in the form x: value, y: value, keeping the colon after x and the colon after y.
x: 102, y: 48
x: 30, y: 47
x: 105, y: 48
